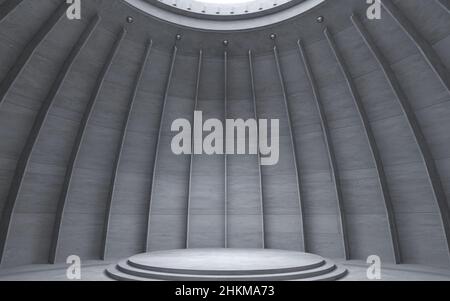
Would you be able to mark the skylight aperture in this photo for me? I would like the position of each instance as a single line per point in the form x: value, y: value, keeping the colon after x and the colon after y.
x: 225, y: 1
x: 226, y: 8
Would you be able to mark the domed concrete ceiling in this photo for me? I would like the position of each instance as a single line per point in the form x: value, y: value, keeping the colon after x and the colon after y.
x: 88, y: 112
x: 224, y: 15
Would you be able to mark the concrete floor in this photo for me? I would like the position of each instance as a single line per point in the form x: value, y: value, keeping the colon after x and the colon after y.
x: 390, y: 272
x: 94, y: 271
x: 90, y: 271
x: 86, y: 111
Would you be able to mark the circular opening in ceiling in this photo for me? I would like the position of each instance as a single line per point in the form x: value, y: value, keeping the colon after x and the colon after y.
x: 226, y: 8
x: 223, y: 15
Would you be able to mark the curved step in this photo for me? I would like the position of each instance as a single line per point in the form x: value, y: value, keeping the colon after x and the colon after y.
x: 217, y: 276
x: 114, y: 272
x: 126, y: 269
x: 225, y: 265
x: 337, y: 274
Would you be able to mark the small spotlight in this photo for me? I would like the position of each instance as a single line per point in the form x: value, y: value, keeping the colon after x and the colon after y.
x: 273, y: 36
x: 320, y: 19
x: 130, y: 19
x: 178, y: 37
x: 226, y: 43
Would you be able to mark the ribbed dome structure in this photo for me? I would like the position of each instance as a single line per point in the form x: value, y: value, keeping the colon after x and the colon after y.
x: 86, y: 108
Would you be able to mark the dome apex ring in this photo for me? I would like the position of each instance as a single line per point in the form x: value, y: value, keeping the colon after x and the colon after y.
x: 190, y: 19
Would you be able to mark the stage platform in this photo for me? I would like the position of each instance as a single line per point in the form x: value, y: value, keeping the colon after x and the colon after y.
x: 226, y: 265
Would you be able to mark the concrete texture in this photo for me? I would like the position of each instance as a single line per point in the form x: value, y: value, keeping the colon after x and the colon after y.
x: 227, y: 261
x: 226, y: 265
x: 94, y: 271
x: 366, y: 172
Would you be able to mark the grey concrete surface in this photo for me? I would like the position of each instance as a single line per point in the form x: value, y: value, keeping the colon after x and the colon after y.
x: 95, y: 271
x: 262, y: 207
x: 227, y: 261
x: 226, y: 264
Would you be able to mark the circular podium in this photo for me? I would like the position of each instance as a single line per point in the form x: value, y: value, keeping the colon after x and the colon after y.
x: 225, y: 265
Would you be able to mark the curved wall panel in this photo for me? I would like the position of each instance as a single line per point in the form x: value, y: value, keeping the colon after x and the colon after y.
x: 86, y: 109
